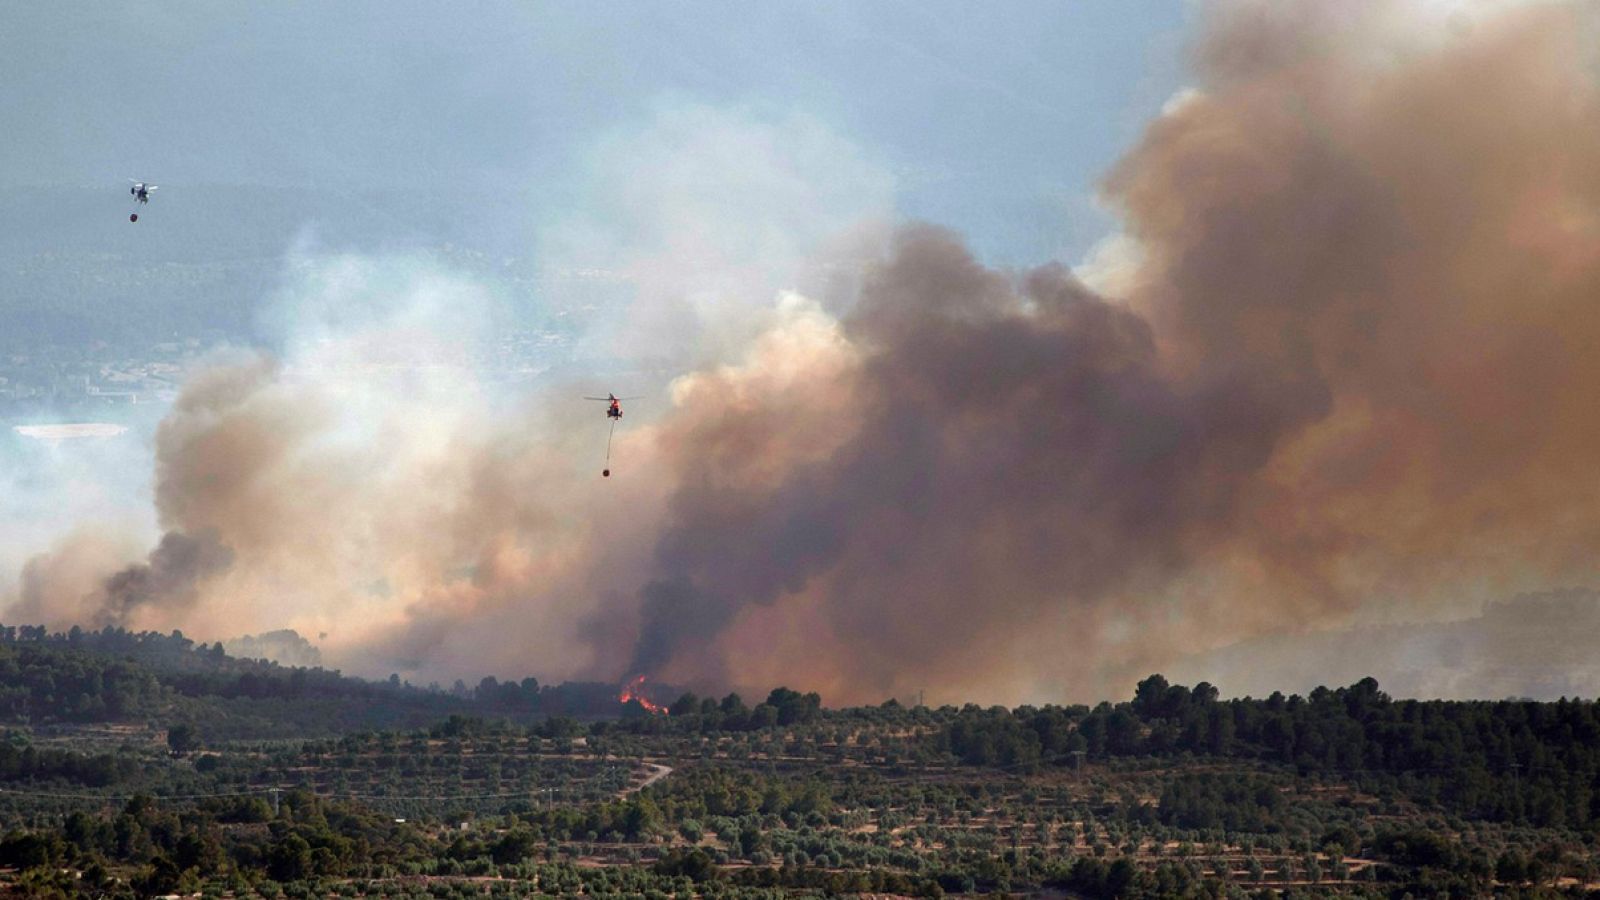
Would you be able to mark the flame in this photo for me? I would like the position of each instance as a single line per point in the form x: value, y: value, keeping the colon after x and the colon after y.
x: 633, y: 692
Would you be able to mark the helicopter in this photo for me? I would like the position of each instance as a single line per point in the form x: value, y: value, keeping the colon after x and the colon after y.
x: 613, y: 412
x: 141, y: 195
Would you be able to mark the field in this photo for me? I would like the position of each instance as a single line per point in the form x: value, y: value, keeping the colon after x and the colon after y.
x: 1173, y: 793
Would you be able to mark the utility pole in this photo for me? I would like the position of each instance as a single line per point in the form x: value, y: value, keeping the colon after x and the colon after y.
x: 275, y: 792
x: 1077, y: 762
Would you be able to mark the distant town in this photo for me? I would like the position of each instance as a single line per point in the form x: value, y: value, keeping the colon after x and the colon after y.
x: 66, y: 376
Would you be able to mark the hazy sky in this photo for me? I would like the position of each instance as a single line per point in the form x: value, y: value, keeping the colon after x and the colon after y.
x: 995, y: 119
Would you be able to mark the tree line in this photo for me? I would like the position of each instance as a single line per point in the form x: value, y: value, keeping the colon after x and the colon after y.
x: 1512, y: 760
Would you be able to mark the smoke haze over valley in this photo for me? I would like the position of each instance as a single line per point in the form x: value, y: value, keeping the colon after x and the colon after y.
x: 1318, y: 403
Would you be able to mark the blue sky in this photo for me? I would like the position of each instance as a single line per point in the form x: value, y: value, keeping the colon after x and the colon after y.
x: 992, y: 118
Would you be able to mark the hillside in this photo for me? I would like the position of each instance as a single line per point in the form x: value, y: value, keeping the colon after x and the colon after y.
x: 62, y: 683
x: 1175, y: 792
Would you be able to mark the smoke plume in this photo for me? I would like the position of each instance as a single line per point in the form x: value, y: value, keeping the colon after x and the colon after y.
x: 1351, y: 366
x: 1342, y: 374
x: 171, y: 575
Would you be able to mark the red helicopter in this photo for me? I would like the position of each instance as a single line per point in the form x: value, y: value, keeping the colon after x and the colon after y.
x: 613, y: 412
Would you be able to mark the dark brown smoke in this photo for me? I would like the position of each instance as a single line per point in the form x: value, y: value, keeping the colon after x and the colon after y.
x: 1013, y: 453
x: 170, y: 577
x: 1353, y: 367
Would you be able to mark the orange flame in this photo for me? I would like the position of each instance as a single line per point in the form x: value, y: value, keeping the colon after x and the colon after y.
x: 633, y: 692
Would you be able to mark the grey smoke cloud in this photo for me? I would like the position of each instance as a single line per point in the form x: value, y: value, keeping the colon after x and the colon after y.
x: 170, y: 576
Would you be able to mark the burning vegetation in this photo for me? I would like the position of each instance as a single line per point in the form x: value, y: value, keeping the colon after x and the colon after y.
x: 634, y: 692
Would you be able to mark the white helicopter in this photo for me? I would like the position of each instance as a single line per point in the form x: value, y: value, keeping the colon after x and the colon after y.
x: 141, y: 195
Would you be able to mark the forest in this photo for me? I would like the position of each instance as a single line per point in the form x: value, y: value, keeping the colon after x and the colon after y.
x: 139, y: 765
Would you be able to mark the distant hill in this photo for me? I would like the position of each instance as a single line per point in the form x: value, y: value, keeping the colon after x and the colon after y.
x: 116, y: 676
x: 1515, y: 648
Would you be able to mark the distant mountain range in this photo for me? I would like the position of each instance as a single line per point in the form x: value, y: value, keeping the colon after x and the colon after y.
x: 1529, y: 646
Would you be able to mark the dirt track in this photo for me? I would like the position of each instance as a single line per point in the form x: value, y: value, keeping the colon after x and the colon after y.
x: 657, y: 772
